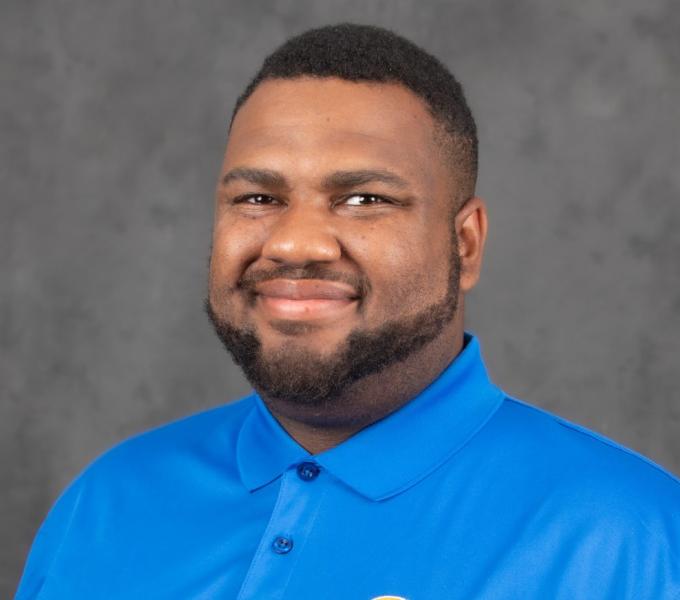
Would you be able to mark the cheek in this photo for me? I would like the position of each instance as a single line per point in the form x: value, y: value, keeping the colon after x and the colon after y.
x: 234, y: 246
x: 407, y: 272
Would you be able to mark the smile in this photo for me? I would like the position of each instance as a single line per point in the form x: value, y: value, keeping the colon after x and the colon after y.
x: 305, y: 299
x: 285, y: 308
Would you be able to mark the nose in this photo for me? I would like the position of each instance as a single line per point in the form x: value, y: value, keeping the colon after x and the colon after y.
x: 302, y: 235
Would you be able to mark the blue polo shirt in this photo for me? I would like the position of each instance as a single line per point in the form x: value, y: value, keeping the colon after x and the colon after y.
x: 464, y: 493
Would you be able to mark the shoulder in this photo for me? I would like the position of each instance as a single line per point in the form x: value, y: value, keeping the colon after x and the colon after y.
x: 205, y: 434
x: 140, y: 469
x: 606, y: 506
x: 590, y: 473
x: 135, y: 476
x: 581, y: 448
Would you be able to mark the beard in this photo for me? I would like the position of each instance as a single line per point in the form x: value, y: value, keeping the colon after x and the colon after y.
x: 300, y: 376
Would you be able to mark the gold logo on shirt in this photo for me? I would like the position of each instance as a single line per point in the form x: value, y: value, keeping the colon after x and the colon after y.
x: 388, y: 598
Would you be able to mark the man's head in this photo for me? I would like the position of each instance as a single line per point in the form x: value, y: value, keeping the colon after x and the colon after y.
x: 364, y: 53
x: 345, y: 228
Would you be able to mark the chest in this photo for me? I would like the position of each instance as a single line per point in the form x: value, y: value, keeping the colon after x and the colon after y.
x: 300, y: 538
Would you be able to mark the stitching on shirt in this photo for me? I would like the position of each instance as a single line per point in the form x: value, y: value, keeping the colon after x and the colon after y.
x: 446, y: 457
x: 76, y: 504
x: 607, y: 442
x: 597, y: 437
x: 264, y: 544
x: 285, y: 583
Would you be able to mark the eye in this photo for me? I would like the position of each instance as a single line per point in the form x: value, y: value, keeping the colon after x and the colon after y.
x: 365, y: 200
x: 255, y: 200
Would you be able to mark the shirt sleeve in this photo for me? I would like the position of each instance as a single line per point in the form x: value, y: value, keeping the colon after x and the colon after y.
x: 48, y: 541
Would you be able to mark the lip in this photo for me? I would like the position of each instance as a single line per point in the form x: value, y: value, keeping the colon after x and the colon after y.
x: 305, y: 299
x: 305, y: 289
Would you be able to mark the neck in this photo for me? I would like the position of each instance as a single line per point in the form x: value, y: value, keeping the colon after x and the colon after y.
x: 372, y: 398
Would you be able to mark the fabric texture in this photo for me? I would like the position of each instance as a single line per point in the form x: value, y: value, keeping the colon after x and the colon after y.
x: 464, y: 493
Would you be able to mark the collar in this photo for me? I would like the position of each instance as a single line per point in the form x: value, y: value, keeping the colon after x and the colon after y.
x: 392, y: 454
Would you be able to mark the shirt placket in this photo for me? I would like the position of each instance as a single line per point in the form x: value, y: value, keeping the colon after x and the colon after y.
x: 292, y: 520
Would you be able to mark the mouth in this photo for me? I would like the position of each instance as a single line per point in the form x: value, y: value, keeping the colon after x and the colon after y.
x: 304, y: 310
x: 305, y: 299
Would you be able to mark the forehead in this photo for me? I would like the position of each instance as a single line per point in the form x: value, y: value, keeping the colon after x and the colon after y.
x: 316, y: 120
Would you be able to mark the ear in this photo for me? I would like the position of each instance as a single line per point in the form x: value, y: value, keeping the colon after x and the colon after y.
x: 471, y: 225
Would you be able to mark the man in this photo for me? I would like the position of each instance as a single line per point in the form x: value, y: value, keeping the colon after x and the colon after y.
x: 376, y: 458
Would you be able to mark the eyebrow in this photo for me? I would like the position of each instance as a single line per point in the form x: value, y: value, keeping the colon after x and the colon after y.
x: 349, y: 179
x: 338, y: 179
x: 263, y: 177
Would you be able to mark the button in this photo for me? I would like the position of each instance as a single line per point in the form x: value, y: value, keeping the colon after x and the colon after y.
x: 307, y: 471
x: 282, y: 545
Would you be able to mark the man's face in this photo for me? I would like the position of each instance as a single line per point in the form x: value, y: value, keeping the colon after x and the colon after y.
x: 333, y: 249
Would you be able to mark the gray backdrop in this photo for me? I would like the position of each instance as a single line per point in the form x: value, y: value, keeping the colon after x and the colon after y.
x: 112, y: 126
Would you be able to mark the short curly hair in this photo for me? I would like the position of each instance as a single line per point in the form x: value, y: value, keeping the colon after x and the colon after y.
x: 374, y: 54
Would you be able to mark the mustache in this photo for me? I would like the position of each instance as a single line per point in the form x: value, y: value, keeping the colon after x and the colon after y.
x: 249, y: 280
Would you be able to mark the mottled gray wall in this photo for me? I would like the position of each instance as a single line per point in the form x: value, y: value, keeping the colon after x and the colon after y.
x: 112, y: 125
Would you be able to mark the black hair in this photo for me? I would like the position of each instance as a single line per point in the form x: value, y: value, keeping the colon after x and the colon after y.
x: 373, y: 54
